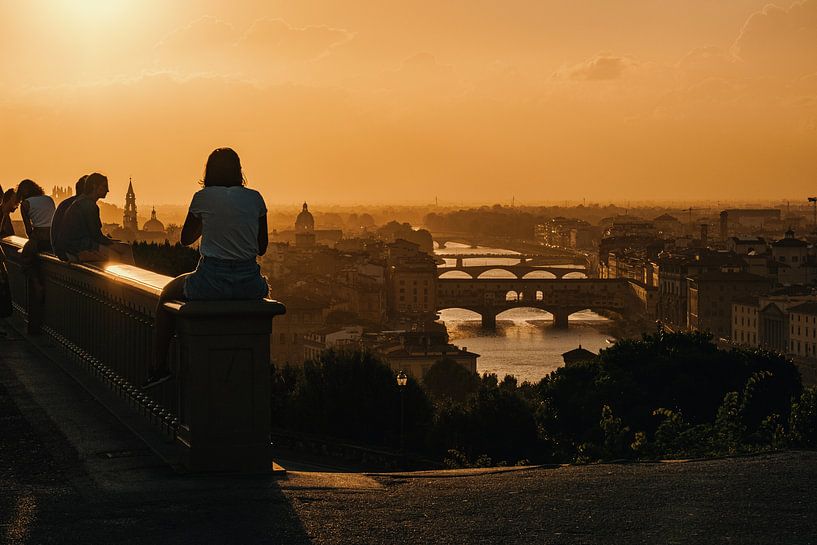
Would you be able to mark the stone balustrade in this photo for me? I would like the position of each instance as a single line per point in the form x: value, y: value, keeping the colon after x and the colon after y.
x: 216, y: 409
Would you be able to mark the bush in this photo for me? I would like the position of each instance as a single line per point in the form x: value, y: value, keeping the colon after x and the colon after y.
x: 803, y: 420
x: 353, y: 395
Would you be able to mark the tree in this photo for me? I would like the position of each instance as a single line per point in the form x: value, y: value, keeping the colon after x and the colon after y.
x: 353, y: 395
x: 679, y: 372
x: 447, y: 380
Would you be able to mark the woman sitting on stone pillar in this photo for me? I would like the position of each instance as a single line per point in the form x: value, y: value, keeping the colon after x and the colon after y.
x: 231, y: 221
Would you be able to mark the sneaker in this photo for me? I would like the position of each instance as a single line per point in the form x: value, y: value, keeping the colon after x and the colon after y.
x: 156, y: 378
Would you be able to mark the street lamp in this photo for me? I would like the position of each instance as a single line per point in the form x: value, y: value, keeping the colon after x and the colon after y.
x: 402, y: 380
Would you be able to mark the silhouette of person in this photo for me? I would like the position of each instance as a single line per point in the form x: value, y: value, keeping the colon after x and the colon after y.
x: 231, y: 221
x: 81, y: 228
x: 8, y: 204
x: 37, y: 209
x: 57, y: 234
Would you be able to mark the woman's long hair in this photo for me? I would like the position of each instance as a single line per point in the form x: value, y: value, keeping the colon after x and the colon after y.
x: 223, y: 168
x: 28, y: 188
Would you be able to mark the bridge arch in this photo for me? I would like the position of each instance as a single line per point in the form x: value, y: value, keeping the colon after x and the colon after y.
x: 453, y: 273
x: 575, y: 274
x: 506, y: 273
x: 543, y: 274
x: 470, y: 311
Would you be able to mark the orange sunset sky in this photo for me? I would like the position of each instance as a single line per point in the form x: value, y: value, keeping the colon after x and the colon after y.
x: 383, y: 101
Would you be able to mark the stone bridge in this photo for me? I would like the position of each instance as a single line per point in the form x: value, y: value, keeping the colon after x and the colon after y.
x: 519, y: 271
x: 560, y: 297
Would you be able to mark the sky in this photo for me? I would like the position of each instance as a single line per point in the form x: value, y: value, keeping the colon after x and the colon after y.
x: 380, y: 101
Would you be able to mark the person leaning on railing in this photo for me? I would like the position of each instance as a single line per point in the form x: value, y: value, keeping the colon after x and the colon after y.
x: 57, y: 232
x: 8, y: 204
x: 231, y: 220
x: 81, y: 228
x: 36, y: 209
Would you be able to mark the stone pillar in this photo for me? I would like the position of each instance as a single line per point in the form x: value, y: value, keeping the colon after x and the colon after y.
x: 224, y: 392
x: 560, y: 319
x: 488, y: 320
x: 459, y: 262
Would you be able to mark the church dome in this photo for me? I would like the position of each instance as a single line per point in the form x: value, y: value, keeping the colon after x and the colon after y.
x: 305, y: 222
x: 153, y: 225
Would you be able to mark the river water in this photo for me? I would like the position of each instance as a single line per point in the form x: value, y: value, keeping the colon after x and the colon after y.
x: 525, y: 344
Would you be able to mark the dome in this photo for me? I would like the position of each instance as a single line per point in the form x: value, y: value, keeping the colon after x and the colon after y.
x: 153, y: 225
x: 305, y: 222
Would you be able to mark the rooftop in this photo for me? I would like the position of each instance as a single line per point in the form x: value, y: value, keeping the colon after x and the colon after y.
x: 805, y: 308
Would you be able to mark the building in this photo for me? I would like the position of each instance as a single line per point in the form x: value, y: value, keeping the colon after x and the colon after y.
x: 153, y: 230
x: 668, y: 226
x: 153, y: 225
x: 629, y: 226
x: 59, y: 193
x: 129, y: 219
x: 412, y: 284
x: 764, y: 321
x: 803, y: 330
x: 305, y: 234
x: 337, y: 338
x: 303, y: 317
x: 674, y: 269
x: 746, y: 246
x: 710, y: 296
x: 567, y: 233
x: 745, y: 314
x: 414, y: 352
x: 305, y: 229
x: 795, y: 260
x: 578, y: 355
x: 743, y: 221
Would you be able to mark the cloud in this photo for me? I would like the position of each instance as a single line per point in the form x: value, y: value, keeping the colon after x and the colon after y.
x: 266, y: 50
x: 275, y: 37
x: 200, y: 37
x: 602, y: 67
x: 780, y: 41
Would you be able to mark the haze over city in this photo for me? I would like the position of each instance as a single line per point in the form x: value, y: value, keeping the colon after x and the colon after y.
x: 375, y: 102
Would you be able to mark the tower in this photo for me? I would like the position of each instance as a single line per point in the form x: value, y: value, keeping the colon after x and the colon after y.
x: 129, y: 218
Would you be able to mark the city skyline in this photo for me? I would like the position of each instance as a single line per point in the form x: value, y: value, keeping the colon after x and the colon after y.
x: 535, y: 101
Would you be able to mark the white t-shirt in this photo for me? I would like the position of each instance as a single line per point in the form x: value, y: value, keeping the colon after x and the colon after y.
x: 40, y: 210
x: 229, y: 217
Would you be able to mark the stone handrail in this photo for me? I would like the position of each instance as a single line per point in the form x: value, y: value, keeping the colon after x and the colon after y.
x: 102, y: 317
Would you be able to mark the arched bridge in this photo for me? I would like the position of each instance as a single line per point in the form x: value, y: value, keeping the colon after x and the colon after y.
x: 491, y: 296
x: 519, y: 271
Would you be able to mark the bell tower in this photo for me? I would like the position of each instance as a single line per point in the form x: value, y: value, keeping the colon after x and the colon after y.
x: 129, y: 218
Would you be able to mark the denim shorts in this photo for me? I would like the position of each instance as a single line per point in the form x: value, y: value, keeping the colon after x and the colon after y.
x: 223, y: 279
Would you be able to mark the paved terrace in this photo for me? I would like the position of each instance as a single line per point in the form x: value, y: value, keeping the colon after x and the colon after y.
x: 71, y: 472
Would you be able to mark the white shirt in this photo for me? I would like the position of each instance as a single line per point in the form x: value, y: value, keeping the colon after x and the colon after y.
x: 229, y: 217
x: 40, y: 210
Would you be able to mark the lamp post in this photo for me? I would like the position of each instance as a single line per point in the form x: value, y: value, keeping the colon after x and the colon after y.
x: 402, y: 380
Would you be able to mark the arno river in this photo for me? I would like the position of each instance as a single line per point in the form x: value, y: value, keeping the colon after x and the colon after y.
x: 524, y: 344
